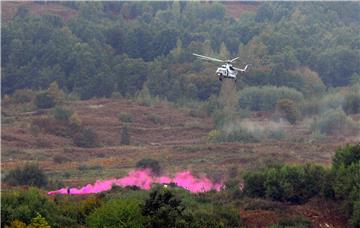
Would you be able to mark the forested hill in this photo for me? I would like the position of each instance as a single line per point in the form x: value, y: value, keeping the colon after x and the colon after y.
x: 107, y: 47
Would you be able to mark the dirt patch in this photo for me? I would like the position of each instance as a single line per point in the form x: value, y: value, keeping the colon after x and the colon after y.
x: 9, y: 9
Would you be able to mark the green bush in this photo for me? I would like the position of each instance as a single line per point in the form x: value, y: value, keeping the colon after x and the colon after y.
x: 334, y: 122
x: 125, y: 117
x: 346, y: 156
x: 163, y: 209
x: 289, y: 110
x: 44, y: 100
x: 60, y: 159
x: 23, y: 96
x: 85, y: 138
x: 125, y: 136
x: 254, y: 184
x: 148, y: 163
x: 117, y: 213
x: 295, y: 184
x: 154, y: 118
x: 265, y: 98
x: 62, y: 114
x: 30, y: 174
x: 352, y: 101
x: 24, y: 205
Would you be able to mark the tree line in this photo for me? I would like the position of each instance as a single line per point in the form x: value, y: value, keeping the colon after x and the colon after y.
x: 122, y: 46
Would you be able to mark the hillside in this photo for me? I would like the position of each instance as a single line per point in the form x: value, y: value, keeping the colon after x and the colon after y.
x: 109, y: 118
x: 177, y: 140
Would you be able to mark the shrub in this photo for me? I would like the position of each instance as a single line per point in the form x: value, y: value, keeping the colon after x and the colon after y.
x: 39, y: 221
x: 24, y: 205
x: 125, y: 117
x: 23, y: 96
x: 288, y: 108
x: 44, y: 100
x: 62, y: 114
x: 162, y: 209
x: 295, y: 184
x: 346, y: 156
x: 85, y: 138
x: 30, y: 174
x: 334, y: 122
x: 154, y: 118
x: 148, y: 163
x: 117, y: 213
x: 60, y: 159
x: 56, y: 93
x: 125, y: 136
x: 265, y: 98
x: 352, y: 101
x: 254, y: 184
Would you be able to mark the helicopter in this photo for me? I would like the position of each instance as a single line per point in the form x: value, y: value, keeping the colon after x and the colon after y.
x: 227, y: 70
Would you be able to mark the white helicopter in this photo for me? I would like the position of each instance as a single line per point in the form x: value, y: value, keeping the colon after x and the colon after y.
x: 227, y: 70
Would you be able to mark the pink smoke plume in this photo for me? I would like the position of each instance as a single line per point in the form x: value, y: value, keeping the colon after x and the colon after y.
x: 143, y: 179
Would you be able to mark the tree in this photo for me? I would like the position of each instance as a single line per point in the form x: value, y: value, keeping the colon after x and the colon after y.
x: 148, y: 163
x: 30, y: 174
x: 118, y: 213
x: 44, y: 100
x: 288, y: 108
x: 162, y: 209
x: 125, y: 136
x: 39, y: 222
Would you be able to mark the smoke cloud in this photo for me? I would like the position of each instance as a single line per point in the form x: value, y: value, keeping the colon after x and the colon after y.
x: 143, y: 179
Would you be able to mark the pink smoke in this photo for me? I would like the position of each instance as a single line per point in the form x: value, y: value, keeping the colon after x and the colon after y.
x: 143, y: 179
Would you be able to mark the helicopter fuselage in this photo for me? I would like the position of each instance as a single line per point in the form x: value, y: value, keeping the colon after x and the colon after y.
x: 226, y: 71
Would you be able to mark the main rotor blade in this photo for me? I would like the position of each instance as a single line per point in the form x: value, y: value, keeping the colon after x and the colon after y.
x: 242, y: 70
x: 208, y: 58
x: 232, y: 60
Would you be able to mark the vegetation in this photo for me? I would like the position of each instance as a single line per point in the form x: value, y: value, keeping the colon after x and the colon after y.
x: 334, y: 122
x: 297, y: 184
x: 85, y: 138
x: 105, y: 49
x: 265, y: 98
x: 148, y: 163
x: 30, y: 174
x: 125, y: 136
x: 303, y: 69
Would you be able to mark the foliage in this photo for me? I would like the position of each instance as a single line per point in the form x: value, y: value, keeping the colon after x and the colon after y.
x: 29, y: 174
x: 56, y: 93
x: 289, y: 110
x: 334, y: 122
x: 125, y: 117
x: 85, y: 138
x: 156, y: 119
x: 125, y: 136
x: 163, y: 209
x: 62, y: 114
x: 352, y: 101
x: 60, y: 159
x: 23, y: 96
x: 24, y: 205
x: 152, y: 43
x: 44, y: 100
x: 148, y: 163
x: 346, y: 156
x: 286, y: 183
x: 117, y: 213
x: 265, y: 98
x: 39, y: 222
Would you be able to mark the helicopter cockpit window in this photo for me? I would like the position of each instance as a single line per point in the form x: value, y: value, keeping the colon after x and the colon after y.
x: 231, y: 68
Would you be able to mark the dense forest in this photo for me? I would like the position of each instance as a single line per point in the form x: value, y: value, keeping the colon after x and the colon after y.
x: 121, y: 46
